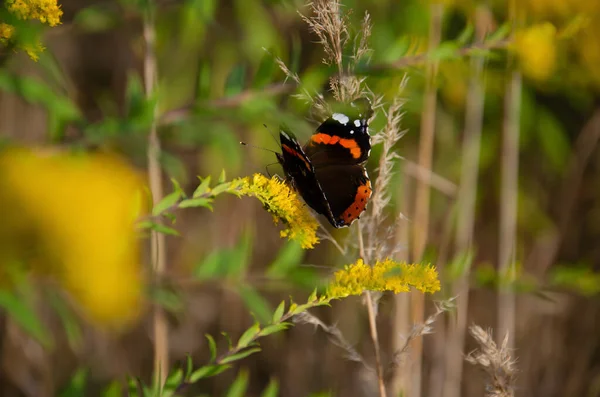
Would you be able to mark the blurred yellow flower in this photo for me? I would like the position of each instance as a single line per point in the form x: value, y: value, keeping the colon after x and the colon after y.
x: 6, y: 32
x: 536, y: 50
x: 72, y: 217
x: 281, y: 201
x: 387, y: 275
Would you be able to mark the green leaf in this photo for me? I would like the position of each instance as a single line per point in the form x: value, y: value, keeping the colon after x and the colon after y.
x: 95, y: 19
x: 167, y: 202
x: 465, y: 35
x: 211, y: 266
x: 220, y: 188
x: 157, y: 227
x: 272, y: 389
x: 248, y: 335
x: 208, y: 371
x: 235, y: 80
x: 212, y: 345
x: 278, y: 312
x: 313, y: 296
x: 289, y: 257
x: 174, y: 379
x: 265, y: 71
x: 114, y: 389
x: 25, y: 316
x: 203, y: 188
x: 222, y: 177
x: 501, y: 33
x: 167, y: 298
x: 76, y: 386
x: 240, y: 355
x: 68, y: 319
x: 189, y: 366
x: 273, y: 328
x: 553, y: 141
x: 238, y: 259
x: 197, y: 202
x: 239, y: 386
x: 258, y: 305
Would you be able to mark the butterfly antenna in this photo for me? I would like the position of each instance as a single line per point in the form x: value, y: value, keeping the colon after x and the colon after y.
x: 272, y: 135
x: 256, y: 147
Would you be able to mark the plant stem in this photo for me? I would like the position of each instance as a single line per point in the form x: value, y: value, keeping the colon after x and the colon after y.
x: 465, y: 217
x: 158, y: 241
x: 422, y: 195
x: 372, y: 324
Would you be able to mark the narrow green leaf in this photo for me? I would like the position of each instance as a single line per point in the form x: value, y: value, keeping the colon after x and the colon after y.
x: 24, y: 315
x: 167, y: 202
x: 222, y: 177
x: 239, y: 386
x: 212, y: 345
x: 273, y: 328
x: 313, y: 296
x: 113, y: 389
x: 158, y: 227
x: 258, y: 305
x: 189, y: 366
x: 278, y: 312
x: 248, y: 335
x: 197, y: 202
x: 265, y: 71
x: 465, y: 35
x: 272, y: 389
x: 220, y: 188
x: 174, y: 379
x: 203, y: 188
x: 289, y: 257
x: 76, y: 386
x: 238, y: 260
x: 208, y: 371
x: 235, y: 80
x: 229, y: 342
x: 240, y: 355
x: 501, y: 33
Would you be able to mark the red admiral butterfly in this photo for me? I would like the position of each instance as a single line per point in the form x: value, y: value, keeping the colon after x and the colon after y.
x: 329, y: 171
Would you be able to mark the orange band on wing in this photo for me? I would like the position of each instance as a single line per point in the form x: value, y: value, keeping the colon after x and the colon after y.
x: 296, y: 154
x: 363, y: 193
x: 326, y: 139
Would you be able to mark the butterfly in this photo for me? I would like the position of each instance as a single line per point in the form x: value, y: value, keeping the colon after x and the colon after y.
x: 329, y: 170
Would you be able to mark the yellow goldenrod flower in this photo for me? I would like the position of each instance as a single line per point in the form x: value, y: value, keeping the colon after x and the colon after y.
x: 536, y: 49
x: 6, y: 32
x: 281, y: 201
x: 387, y: 275
x: 46, y: 11
x: 72, y: 217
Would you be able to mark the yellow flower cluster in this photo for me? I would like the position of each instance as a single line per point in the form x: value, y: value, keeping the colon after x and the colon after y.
x: 71, y: 217
x: 536, y: 50
x: 387, y: 275
x: 281, y: 201
x: 46, y: 11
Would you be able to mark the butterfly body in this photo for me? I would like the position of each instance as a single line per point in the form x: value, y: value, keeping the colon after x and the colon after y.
x: 329, y: 170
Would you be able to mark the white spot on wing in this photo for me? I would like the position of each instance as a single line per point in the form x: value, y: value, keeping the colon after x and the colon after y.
x: 340, y: 118
x: 357, y: 123
x: 351, y: 132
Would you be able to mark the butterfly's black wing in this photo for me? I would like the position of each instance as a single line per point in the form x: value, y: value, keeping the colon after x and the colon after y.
x: 300, y: 172
x: 342, y: 139
x: 348, y: 190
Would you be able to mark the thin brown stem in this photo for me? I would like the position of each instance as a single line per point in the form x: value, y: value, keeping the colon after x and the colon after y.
x: 373, y: 324
x: 158, y: 242
x: 422, y: 195
x: 465, y: 220
x: 375, y: 339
